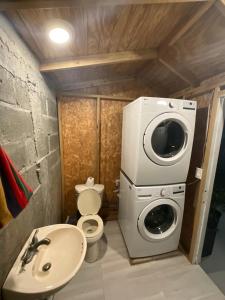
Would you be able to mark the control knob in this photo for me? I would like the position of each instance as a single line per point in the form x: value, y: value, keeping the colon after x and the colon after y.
x: 163, y: 192
x: 171, y: 105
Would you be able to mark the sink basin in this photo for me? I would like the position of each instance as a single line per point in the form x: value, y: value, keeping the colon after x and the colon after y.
x: 51, y: 268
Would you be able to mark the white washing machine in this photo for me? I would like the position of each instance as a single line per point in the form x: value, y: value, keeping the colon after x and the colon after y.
x: 157, y: 138
x: 150, y: 218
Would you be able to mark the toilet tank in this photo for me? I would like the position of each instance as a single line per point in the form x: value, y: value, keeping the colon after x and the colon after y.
x: 99, y: 188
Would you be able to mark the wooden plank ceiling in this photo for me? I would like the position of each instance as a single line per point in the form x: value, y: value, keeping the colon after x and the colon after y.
x: 169, y: 45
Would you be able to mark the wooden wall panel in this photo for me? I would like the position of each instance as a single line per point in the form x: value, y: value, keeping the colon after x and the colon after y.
x: 111, y: 136
x: 79, y: 141
x: 78, y: 126
x: 80, y: 156
x: 168, y: 82
x: 100, y: 29
x: 204, y: 104
x: 124, y: 89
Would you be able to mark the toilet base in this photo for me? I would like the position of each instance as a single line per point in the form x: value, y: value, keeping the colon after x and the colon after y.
x: 92, y: 253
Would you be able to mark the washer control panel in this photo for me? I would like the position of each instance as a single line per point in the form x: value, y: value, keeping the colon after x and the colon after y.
x: 164, y: 192
x: 179, y: 189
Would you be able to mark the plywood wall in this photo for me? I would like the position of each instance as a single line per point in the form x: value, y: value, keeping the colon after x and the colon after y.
x: 80, y: 151
x: 79, y: 141
x: 203, y: 112
x: 111, y: 136
x: 78, y: 134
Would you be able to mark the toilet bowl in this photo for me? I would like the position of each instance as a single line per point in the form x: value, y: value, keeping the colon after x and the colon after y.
x: 93, y: 229
x: 89, y: 203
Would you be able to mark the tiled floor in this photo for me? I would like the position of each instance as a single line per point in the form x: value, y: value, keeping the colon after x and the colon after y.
x: 214, y: 265
x: 113, y: 278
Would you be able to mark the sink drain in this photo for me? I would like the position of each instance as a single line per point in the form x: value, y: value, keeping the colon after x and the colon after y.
x: 46, y: 267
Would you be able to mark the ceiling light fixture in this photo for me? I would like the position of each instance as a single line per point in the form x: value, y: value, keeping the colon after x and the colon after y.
x: 59, y: 35
x: 59, y: 31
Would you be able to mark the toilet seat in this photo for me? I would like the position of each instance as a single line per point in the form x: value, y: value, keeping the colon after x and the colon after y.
x: 99, y: 226
x: 88, y: 204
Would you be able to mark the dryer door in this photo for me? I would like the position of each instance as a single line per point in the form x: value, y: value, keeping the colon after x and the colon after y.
x: 159, y: 219
x: 166, y: 138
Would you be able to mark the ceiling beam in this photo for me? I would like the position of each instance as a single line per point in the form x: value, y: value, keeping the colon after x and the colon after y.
x: 26, y: 4
x: 205, y: 86
x: 220, y: 5
x: 158, y: 92
x: 94, y: 83
x: 169, y: 57
x: 186, y: 23
x: 100, y: 60
x: 167, y: 53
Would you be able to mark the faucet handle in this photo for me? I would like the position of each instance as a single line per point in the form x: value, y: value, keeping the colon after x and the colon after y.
x: 34, y: 238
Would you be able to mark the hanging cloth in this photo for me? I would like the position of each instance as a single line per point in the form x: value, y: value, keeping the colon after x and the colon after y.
x: 5, y: 215
x: 17, y: 192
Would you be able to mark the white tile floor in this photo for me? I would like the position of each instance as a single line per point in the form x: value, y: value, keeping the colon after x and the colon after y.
x: 113, y: 278
x: 214, y: 265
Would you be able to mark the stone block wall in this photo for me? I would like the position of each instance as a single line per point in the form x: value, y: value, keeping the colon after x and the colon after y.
x: 29, y: 134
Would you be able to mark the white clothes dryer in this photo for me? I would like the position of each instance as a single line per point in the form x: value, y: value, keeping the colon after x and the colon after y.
x: 157, y: 139
x: 150, y: 218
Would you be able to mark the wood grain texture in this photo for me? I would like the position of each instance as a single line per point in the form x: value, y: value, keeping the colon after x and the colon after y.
x: 194, y: 31
x: 133, y: 90
x: 90, y: 127
x: 80, y: 136
x: 201, y: 50
x: 78, y: 122
x: 99, y: 60
x: 203, y: 103
x: 111, y: 137
x: 186, y: 23
x: 205, y: 165
x: 169, y: 81
x: 168, y: 59
x: 89, y: 77
x: 103, y: 29
x: 20, y: 4
x: 205, y: 86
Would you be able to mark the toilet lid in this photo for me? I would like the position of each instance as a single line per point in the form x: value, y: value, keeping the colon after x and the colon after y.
x: 89, y: 202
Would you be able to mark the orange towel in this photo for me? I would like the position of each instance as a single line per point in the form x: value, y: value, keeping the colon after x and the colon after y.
x: 5, y: 215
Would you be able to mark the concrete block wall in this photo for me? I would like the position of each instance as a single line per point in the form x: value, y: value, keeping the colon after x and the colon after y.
x: 29, y: 134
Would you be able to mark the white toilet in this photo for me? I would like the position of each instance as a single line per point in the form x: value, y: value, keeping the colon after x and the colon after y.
x: 89, y: 202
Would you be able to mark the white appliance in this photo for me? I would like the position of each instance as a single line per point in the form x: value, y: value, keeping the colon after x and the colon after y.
x: 150, y: 217
x: 157, y: 140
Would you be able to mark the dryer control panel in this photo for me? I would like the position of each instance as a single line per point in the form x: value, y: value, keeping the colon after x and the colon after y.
x: 188, y: 104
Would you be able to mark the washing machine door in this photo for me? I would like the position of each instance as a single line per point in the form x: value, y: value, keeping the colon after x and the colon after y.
x: 166, y: 138
x: 159, y: 219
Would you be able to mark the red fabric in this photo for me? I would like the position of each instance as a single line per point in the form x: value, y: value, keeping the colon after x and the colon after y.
x: 18, y: 174
x: 6, y: 169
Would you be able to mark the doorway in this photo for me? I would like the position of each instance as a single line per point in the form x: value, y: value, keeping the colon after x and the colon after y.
x: 213, y: 253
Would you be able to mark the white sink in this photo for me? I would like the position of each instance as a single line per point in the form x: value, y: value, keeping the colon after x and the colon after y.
x: 64, y: 254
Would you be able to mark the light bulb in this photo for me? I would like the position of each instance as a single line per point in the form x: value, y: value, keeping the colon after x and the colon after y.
x: 59, y: 35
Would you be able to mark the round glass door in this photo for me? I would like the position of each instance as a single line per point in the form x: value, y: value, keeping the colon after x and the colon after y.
x: 159, y: 219
x: 166, y: 139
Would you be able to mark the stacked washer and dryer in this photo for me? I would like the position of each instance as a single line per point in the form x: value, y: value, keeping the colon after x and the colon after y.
x: 157, y: 139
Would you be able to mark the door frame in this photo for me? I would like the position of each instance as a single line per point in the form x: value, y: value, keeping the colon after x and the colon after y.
x: 205, y: 190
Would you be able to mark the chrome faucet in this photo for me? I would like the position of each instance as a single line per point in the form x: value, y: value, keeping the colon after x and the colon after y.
x: 33, y: 249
